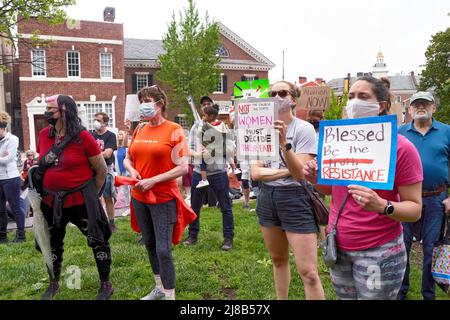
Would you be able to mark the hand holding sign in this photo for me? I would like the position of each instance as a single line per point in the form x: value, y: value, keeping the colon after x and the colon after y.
x: 310, y: 170
x: 281, y: 127
x: 367, y: 198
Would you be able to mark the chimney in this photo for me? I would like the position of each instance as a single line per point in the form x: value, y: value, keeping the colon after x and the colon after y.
x: 109, y: 14
x: 302, y: 80
x: 319, y: 81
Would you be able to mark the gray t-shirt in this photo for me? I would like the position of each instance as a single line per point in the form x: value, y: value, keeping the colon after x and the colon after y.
x: 302, y: 136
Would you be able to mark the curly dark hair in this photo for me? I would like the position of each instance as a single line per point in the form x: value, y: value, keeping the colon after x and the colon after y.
x: 69, y: 116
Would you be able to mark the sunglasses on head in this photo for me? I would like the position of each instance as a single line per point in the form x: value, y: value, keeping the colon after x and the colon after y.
x: 280, y: 93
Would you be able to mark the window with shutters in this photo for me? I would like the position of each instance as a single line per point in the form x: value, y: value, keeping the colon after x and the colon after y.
x: 106, y: 65
x: 141, y: 81
x: 73, y: 64
x: 38, y: 63
x: 220, y: 84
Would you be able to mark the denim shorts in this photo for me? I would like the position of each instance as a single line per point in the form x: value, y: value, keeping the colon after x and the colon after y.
x: 109, y: 185
x: 286, y: 207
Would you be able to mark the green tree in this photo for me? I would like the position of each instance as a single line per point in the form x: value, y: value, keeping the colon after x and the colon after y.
x: 335, y: 110
x: 14, y: 11
x: 190, y: 62
x: 436, y: 75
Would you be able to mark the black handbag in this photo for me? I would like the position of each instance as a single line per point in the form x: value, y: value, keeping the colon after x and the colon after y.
x: 329, y: 245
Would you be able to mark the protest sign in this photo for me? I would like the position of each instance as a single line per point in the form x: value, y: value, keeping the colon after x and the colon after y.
x: 358, y: 151
x: 255, y: 133
x: 132, y: 107
x: 315, y: 98
x: 251, y: 89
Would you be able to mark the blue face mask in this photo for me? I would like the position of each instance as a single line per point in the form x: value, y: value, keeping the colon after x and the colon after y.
x: 147, y: 110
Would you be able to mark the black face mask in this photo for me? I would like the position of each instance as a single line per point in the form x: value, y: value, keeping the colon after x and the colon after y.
x: 48, y: 115
x: 315, y: 124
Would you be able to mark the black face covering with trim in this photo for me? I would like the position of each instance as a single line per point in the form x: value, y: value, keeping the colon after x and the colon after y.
x: 48, y: 115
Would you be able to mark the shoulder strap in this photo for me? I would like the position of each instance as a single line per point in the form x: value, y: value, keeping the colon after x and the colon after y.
x: 339, y: 212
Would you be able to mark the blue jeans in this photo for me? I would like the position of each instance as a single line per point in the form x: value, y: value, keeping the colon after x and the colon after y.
x: 432, y: 221
x: 219, y: 184
x: 10, y: 191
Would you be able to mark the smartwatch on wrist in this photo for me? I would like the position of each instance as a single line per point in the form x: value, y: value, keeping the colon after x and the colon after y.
x: 388, y: 210
x: 287, y: 147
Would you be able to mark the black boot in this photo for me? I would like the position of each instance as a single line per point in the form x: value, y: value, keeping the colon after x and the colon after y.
x: 20, y: 236
x: 52, y: 290
x: 3, y: 237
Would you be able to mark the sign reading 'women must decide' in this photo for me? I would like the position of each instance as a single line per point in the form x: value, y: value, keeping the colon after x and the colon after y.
x: 254, y: 122
x: 358, y: 151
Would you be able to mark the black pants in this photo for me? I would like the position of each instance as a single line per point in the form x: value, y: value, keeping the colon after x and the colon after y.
x: 78, y: 216
x: 157, y: 222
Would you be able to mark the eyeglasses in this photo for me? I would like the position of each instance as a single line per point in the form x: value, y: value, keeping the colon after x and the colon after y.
x: 281, y: 93
x: 425, y: 104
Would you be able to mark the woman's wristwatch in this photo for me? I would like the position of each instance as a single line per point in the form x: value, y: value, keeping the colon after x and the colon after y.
x: 287, y: 147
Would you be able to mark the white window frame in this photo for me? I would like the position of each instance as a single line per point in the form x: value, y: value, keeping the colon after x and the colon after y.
x: 91, y: 115
x: 145, y: 75
x: 249, y: 77
x: 79, y: 64
x: 33, y: 67
x: 221, y: 85
x: 111, y: 65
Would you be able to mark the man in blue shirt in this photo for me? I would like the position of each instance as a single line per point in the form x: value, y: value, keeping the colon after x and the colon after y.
x: 432, y: 140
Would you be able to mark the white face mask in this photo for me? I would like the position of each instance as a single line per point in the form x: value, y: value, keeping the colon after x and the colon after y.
x: 97, y: 125
x: 148, y: 110
x: 357, y: 108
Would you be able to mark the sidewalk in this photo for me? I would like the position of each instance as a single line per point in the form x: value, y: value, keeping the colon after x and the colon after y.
x: 29, y: 221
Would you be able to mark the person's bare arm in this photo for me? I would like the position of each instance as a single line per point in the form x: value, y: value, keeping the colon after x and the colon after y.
x: 107, y: 153
x: 129, y: 165
x: 99, y: 165
x: 408, y: 209
x: 259, y: 173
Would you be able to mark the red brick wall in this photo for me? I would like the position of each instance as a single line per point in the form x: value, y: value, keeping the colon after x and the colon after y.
x: 85, y: 29
x: 234, y: 51
x: 79, y: 91
x: 56, y: 63
x: 56, y: 59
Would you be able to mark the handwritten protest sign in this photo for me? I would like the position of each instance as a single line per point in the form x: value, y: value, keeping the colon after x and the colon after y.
x: 358, y: 151
x: 251, y: 89
x: 132, y: 107
x: 315, y: 98
x: 255, y: 133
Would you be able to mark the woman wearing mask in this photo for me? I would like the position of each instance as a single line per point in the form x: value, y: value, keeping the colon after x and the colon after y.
x: 10, y: 182
x: 371, y: 253
x: 156, y: 157
x: 71, y: 187
x: 283, y: 206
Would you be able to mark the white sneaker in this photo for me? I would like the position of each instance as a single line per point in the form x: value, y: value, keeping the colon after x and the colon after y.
x: 202, y: 184
x: 237, y: 171
x: 156, y: 294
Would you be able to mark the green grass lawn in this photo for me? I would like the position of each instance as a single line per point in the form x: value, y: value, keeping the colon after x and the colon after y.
x: 202, y: 271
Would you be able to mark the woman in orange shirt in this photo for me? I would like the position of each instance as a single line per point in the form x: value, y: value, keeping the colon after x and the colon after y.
x: 156, y: 157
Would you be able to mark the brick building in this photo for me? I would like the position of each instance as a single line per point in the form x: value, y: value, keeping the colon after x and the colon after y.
x: 85, y: 60
x: 93, y: 63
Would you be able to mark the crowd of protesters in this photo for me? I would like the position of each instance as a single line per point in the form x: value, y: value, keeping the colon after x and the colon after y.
x: 374, y: 228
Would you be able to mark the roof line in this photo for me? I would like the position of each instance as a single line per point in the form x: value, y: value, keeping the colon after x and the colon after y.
x: 233, y: 37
